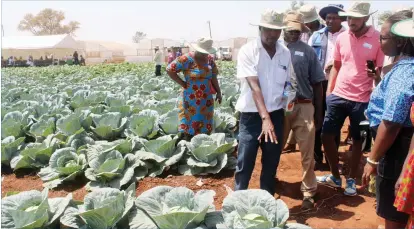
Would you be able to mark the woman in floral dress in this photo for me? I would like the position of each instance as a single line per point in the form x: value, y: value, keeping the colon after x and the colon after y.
x: 404, y: 188
x: 200, y: 73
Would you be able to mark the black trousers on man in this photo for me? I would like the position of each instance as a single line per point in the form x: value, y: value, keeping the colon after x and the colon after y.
x: 250, y: 129
x: 157, y: 70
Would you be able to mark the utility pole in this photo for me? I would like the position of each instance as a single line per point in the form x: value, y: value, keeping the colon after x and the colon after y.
x: 209, y: 27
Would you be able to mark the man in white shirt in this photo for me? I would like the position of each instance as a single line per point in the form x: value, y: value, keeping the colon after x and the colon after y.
x: 264, y: 68
x: 158, y: 61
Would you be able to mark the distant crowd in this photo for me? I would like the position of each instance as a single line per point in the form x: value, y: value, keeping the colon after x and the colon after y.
x: 13, y: 61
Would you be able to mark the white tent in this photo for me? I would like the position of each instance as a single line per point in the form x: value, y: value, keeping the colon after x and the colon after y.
x: 58, y: 45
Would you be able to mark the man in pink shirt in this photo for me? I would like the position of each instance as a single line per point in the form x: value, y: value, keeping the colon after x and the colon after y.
x: 349, y: 89
x: 171, y: 55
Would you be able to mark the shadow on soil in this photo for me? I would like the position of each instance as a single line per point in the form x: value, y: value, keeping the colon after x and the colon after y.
x: 326, y: 203
x: 72, y: 186
x: 225, y: 173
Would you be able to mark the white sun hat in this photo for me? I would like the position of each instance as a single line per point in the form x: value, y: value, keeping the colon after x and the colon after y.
x: 404, y: 28
x: 358, y: 9
x: 272, y: 19
x: 204, y: 45
x: 309, y: 13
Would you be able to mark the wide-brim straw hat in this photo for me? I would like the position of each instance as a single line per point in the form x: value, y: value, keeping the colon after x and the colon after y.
x: 332, y: 8
x: 404, y: 28
x: 204, y: 45
x: 272, y: 19
x: 294, y: 21
x: 309, y: 13
x: 358, y: 9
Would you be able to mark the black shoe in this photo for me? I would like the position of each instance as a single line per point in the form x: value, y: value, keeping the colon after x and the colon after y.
x: 308, y: 203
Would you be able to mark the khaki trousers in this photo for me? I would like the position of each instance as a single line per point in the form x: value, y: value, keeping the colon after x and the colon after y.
x: 301, y: 123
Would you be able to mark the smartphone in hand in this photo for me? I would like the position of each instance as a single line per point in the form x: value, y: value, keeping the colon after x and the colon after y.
x: 371, y: 66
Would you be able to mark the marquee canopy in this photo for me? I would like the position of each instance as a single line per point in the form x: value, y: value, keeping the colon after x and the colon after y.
x: 64, y: 41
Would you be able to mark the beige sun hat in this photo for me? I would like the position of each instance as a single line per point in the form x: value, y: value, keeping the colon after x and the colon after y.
x: 295, y: 21
x: 272, y: 19
x: 204, y: 45
x: 309, y: 13
x: 358, y: 9
x: 404, y: 28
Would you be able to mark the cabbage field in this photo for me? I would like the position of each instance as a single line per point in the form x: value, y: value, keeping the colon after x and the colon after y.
x: 116, y: 124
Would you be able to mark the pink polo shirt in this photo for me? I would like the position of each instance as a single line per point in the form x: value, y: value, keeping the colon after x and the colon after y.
x: 353, y: 82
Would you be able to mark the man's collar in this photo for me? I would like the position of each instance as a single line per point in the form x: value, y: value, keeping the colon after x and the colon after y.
x: 289, y: 43
x: 278, y: 45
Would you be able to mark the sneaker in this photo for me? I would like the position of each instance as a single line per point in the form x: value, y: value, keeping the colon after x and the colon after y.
x: 329, y: 180
x: 350, y: 189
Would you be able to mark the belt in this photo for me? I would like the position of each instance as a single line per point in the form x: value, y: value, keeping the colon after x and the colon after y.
x: 303, y: 101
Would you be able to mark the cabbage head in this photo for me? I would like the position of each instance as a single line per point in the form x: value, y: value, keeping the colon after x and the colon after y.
x: 32, y: 209
x: 208, y: 154
x: 160, y: 153
x: 104, y: 208
x: 112, y: 169
x: 255, y: 208
x: 10, y: 147
x: 64, y: 165
x: 109, y: 125
x: 165, y: 207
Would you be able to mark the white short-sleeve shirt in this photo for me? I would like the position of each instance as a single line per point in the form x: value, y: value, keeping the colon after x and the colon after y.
x: 273, y: 74
x: 331, y: 45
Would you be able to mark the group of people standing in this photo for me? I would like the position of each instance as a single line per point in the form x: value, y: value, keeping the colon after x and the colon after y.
x: 336, y: 74
x: 159, y: 58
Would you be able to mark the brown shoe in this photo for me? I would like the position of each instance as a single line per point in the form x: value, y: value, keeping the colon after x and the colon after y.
x: 308, y: 203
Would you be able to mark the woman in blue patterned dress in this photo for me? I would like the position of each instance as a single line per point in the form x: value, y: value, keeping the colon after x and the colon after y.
x: 200, y: 73
x: 389, y: 116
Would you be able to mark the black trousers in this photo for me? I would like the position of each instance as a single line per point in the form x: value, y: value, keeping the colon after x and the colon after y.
x: 250, y: 129
x: 157, y: 70
x: 388, y: 171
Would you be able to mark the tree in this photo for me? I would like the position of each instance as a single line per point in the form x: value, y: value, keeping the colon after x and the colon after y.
x: 295, y: 5
x: 47, y: 22
x: 382, y: 17
x: 138, y: 37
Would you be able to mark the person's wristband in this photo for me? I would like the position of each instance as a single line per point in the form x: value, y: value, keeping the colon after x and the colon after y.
x: 372, y: 162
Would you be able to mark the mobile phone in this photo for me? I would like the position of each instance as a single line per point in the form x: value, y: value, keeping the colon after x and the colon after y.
x: 371, y: 66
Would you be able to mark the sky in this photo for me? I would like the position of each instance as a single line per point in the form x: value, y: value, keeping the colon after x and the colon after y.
x: 178, y: 20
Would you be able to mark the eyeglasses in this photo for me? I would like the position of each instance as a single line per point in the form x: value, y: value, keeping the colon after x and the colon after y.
x: 384, y: 38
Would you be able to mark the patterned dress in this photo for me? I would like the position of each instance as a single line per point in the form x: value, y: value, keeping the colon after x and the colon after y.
x: 404, y: 201
x: 197, y: 104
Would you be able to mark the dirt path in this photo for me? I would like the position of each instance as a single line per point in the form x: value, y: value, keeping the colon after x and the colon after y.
x: 333, y: 209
